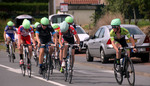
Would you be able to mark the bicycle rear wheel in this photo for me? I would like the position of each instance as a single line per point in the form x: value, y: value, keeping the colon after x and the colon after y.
x: 70, y: 69
x: 130, y: 73
x: 117, y: 72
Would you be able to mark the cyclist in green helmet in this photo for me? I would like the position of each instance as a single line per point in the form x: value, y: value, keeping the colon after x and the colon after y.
x: 68, y: 34
x: 24, y: 38
x: 9, y: 34
x: 117, y: 36
x: 44, y: 33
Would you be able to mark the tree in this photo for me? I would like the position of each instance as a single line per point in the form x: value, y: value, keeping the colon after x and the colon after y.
x: 123, y: 6
x: 144, y: 6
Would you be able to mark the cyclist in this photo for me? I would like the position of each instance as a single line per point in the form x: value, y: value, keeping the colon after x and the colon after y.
x: 43, y: 35
x: 9, y: 34
x: 24, y: 38
x: 67, y: 32
x: 117, y: 35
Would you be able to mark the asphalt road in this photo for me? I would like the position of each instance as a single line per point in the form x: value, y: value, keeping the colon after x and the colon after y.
x: 85, y: 74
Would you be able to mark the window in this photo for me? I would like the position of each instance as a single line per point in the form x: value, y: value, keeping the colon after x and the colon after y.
x: 80, y: 30
x: 58, y: 18
x: 97, y: 33
x: 102, y: 33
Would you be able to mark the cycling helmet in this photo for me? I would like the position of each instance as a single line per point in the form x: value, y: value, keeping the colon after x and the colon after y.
x: 26, y: 24
x: 55, y: 26
x: 115, y: 22
x: 10, y: 23
x: 44, y: 21
x: 64, y: 26
x: 36, y: 24
x: 69, y: 19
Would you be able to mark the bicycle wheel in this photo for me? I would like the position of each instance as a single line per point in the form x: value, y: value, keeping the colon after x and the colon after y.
x: 48, y: 67
x: 23, y: 69
x: 66, y: 69
x: 117, y: 72
x: 70, y: 69
x: 130, y: 73
x: 10, y: 53
x: 28, y: 65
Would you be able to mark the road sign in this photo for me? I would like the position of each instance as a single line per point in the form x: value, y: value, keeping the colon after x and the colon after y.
x: 63, y: 7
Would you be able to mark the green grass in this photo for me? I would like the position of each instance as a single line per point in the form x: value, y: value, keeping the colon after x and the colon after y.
x: 2, y: 47
x: 141, y: 23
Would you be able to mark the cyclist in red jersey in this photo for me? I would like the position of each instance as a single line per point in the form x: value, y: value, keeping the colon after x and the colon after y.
x: 67, y: 32
x: 24, y: 38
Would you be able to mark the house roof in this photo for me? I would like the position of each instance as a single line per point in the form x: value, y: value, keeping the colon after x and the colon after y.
x: 82, y: 1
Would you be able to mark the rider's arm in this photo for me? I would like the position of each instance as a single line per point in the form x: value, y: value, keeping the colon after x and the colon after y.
x: 19, y: 36
x: 60, y: 40
x: 132, y: 41
x: 37, y: 36
x: 55, y: 38
x: 5, y: 35
x: 32, y: 36
x: 77, y: 39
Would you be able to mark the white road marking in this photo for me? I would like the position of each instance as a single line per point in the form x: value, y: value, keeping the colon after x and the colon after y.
x: 40, y: 78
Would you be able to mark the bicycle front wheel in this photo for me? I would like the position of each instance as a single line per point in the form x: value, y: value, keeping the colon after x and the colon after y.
x: 117, y: 72
x: 130, y: 73
x: 71, y: 69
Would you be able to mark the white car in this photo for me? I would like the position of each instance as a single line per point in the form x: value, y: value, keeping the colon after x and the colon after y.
x: 82, y: 36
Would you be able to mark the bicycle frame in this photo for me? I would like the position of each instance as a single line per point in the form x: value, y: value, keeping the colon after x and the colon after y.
x: 69, y: 63
x: 11, y: 51
x: 48, y: 65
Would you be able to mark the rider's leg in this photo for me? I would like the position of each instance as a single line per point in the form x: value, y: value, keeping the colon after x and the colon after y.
x: 118, y: 54
x: 7, y: 43
x: 30, y: 53
x: 41, y: 56
x: 14, y: 45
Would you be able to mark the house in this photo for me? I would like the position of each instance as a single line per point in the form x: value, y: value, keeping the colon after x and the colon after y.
x: 82, y: 10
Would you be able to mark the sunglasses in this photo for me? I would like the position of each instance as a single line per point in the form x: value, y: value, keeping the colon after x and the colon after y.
x: 44, y: 25
x: 115, y: 26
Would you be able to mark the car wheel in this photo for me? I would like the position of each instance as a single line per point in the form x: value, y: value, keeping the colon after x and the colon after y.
x: 145, y: 58
x: 104, y: 59
x: 88, y: 56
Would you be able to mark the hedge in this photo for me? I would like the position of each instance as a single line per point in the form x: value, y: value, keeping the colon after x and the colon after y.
x: 7, y: 10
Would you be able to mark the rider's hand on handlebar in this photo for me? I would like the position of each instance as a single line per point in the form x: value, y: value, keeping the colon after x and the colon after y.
x: 39, y: 44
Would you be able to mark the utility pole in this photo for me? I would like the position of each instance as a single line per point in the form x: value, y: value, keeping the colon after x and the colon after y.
x: 50, y: 7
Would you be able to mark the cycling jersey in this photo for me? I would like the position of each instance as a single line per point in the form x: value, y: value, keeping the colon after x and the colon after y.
x: 122, y: 40
x: 25, y: 34
x: 10, y: 32
x: 45, y: 34
x: 69, y: 36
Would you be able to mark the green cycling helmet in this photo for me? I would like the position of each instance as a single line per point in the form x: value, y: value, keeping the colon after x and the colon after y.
x: 115, y: 22
x: 36, y: 24
x: 44, y: 21
x: 10, y: 23
x: 55, y: 26
x: 64, y: 26
x: 69, y: 19
x: 26, y: 24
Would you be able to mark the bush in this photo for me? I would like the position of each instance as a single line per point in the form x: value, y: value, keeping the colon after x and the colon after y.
x: 106, y: 20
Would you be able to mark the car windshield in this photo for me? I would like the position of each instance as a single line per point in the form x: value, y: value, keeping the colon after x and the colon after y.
x: 58, y: 18
x: 132, y: 30
x: 80, y: 30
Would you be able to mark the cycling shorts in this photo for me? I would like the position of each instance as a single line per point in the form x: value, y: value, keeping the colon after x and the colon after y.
x: 11, y: 36
x: 26, y: 39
